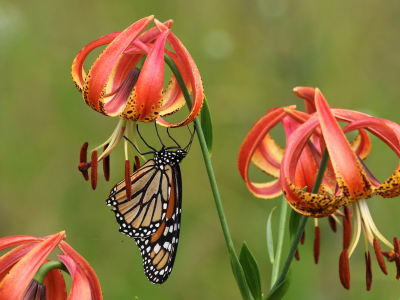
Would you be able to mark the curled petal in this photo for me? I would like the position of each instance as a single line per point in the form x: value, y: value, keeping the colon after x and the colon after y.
x: 194, y: 77
x: 85, y: 267
x: 268, y: 156
x: 306, y: 93
x: 80, y: 289
x: 95, y: 81
x: 250, y: 145
x: 173, y: 99
x: 15, y: 283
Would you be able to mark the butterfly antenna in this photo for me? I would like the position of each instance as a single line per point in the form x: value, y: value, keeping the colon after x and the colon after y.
x: 137, y: 128
x: 187, y: 148
x: 136, y: 147
x: 163, y: 146
x: 172, y: 138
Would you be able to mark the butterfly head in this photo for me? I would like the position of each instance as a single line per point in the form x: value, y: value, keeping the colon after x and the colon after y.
x: 167, y: 157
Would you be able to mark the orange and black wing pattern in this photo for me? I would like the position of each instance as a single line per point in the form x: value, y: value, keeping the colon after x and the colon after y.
x: 153, y: 214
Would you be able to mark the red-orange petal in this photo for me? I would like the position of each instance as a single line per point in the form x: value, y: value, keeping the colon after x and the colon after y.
x: 99, y: 73
x: 148, y: 91
x: 15, y: 283
x: 80, y: 289
x: 13, y: 256
x: 350, y: 175
x: 252, y: 141
x: 194, y: 77
x: 55, y: 285
x: 14, y: 240
x: 306, y: 93
x: 85, y: 267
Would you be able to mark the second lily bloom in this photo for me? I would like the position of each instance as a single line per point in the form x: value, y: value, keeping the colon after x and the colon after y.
x: 347, y: 179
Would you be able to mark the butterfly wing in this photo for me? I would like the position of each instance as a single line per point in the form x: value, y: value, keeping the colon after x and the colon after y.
x: 147, y: 208
x: 159, y: 250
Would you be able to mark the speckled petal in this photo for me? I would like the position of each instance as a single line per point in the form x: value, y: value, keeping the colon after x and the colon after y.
x: 97, y: 78
x: 350, y: 175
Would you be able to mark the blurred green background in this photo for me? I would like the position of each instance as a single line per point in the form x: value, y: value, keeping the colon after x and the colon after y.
x: 251, y: 54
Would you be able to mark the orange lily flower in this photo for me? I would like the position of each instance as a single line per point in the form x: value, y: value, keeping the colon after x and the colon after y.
x: 347, y: 179
x: 119, y: 85
x: 18, y: 267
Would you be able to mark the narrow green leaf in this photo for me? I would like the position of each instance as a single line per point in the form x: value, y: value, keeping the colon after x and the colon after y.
x: 280, y: 291
x: 206, y: 124
x: 251, y: 272
x: 239, y: 274
x: 270, y: 240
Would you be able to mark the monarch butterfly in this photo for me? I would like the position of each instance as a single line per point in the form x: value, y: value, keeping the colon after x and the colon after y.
x: 152, y: 216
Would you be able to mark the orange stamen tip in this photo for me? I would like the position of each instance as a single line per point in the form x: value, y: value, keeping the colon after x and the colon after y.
x: 396, y: 244
x: 83, y: 167
x: 136, y: 165
x: 317, y: 244
x: 346, y: 228
x: 106, y: 165
x: 303, y: 237
x: 128, y: 183
x: 332, y: 223
x: 344, y: 269
x: 83, y: 154
x: 368, y: 270
x: 93, y: 174
x: 379, y: 256
x: 297, y: 255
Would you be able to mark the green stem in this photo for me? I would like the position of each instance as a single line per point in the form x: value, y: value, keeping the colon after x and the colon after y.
x: 303, y: 222
x: 281, y: 233
x: 204, y: 149
x: 46, y: 268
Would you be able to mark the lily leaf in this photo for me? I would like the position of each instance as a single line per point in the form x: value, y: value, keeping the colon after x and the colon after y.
x: 239, y: 275
x: 251, y: 272
x: 270, y: 240
x: 280, y: 291
x: 206, y: 124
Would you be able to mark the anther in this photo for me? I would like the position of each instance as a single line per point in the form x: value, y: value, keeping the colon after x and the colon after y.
x: 317, y: 244
x: 396, y: 244
x: 332, y: 223
x: 346, y: 228
x: 106, y: 165
x: 368, y: 270
x: 93, y: 174
x: 136, y: 165
x: 390, y: 255
x: 303, y: 238
x: 344, y: 269
x: 83, y: 160
x: 379, y: 256
x: 297, y: 255
x: 128, y: 183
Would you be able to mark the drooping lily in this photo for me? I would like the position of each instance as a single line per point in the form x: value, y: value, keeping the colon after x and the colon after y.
x: 26, y: 274
x: 127, y: 79
x: 347, y: 179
